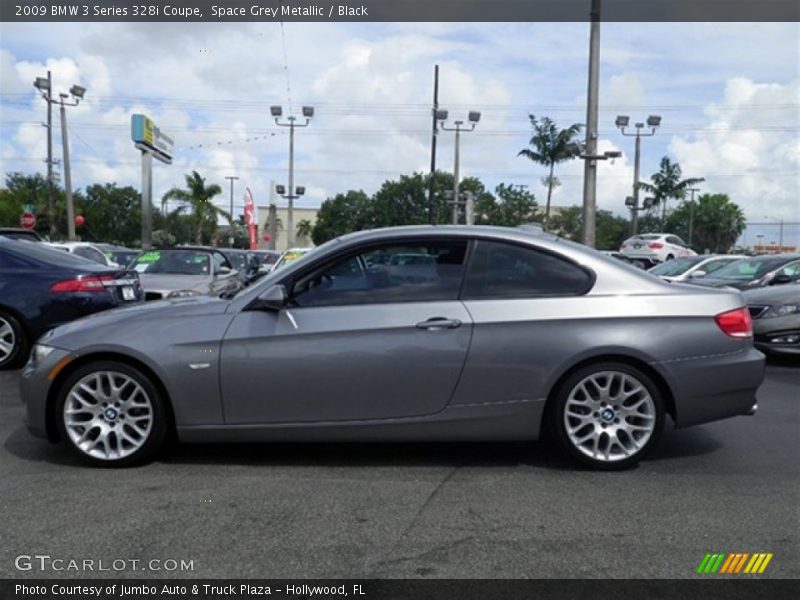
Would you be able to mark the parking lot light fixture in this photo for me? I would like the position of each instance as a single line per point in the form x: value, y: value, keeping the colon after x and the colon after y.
x: 473, y: 117
x: 653, y: 122
x: 291, y: 123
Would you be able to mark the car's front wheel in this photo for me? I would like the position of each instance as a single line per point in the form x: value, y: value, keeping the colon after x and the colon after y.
x: 13, y: 342
x: 111, y: 414
x: 608, y: 415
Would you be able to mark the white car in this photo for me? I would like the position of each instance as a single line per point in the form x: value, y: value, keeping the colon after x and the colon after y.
x: 85, y: 250
x: 692, y: 267
x: 655, y: 247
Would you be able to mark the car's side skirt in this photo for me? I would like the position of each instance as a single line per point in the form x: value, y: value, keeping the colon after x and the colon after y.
x: 514, y: 420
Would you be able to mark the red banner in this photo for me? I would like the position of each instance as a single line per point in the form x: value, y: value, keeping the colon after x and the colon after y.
x: 251, y: 218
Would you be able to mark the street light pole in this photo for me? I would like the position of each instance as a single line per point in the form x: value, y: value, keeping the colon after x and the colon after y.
x: 590, y: 166
x: 308, y: 112
x: 231, y: 238
x: 653, y: 122
x: 45, y: 86
x: 474, y: 117
x: 691, y: 214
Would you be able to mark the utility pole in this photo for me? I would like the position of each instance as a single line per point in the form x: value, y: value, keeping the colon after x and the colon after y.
x: 67, y: 173
x: 231, y: 238
x: 308, y: 112
x: 435, y: 130
x: 590, y: 166
x: 691, y: 214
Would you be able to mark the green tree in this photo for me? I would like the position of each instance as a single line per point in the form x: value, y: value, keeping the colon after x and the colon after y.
x: 550, y: 146
x: 716, y: 223
x: 21, y: 190
x: 611, y: 230
x: 510, y: 207
x: 341, y: 214
x: 199, y: 198
x: 113, y: 214
x: 667, y: 184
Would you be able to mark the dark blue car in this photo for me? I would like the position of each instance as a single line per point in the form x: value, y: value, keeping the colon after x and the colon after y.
x: 41, y: 287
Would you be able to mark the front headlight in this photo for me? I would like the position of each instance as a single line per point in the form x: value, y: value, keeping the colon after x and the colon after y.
x: 183, y: 294
x: 39, y: 353
x: 781, y: 310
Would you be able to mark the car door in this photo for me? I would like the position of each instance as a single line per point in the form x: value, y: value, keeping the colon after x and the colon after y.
x: 527, y: 310
x: 358, y: 339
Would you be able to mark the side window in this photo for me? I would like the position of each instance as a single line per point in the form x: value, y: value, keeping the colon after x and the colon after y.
x: 500, y: 270
x: 91, y: 254
x: 673, y: 239
x: 398, y: 272
x: 791, y: 270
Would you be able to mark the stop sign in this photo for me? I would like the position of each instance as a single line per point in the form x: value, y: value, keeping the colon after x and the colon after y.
x: 27, y: 220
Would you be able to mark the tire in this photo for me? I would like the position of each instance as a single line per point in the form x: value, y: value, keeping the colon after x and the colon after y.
x: 14, y: 344
x: 126, y: 415
x: 607, y: 415
x: 669, y: 257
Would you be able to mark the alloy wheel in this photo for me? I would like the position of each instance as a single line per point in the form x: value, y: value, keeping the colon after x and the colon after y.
x: 8, y: 340
x: 609, y: 416
x: 108, y: 415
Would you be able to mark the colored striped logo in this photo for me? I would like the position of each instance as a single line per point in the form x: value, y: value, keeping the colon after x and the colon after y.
x: 734, y: 563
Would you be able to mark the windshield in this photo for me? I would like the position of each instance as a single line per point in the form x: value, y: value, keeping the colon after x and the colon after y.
x: 175, y: 262
x: 677, y: 266
x: 290, y: 256
x: 748, y: 268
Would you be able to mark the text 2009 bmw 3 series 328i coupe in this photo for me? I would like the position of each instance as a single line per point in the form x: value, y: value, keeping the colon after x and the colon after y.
x: 478, y: 333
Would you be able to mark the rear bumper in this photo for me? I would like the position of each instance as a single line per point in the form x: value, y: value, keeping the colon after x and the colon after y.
x: 710, y: 388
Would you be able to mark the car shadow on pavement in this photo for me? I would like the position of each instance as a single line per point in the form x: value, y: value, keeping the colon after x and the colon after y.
x: 541, y: 454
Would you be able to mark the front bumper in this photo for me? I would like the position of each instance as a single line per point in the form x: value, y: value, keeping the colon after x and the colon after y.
x: 710, y: 388
x: 778, y: 335
x: 35, y: 386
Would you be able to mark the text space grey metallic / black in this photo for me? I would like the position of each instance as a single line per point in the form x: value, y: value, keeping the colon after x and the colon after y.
x: 412, y: 333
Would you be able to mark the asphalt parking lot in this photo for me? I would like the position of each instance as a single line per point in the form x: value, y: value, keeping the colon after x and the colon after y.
x: 421, y: 510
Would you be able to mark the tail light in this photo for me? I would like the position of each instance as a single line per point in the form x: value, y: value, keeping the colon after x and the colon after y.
x: 736, y: 323
x: 90, y: 283
x: 655, y: 245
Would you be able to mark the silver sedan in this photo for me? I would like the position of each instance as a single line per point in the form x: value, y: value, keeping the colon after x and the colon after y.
x: 500, y: 334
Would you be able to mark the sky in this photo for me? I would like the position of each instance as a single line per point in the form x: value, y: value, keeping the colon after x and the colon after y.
x: 728, y: 95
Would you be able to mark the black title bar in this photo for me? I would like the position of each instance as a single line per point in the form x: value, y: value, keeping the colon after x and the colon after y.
x: 397, y: 10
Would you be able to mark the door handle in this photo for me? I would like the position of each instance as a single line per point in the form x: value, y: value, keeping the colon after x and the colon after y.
x: 439, y: 323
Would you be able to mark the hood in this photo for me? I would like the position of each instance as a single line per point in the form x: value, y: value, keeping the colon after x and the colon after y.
x: 135, y: 316
x: 776, y: 294
x: 170, y: 282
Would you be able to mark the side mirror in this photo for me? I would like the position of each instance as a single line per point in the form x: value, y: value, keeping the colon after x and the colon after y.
x: 224, y: 270
x: 697, y: 274
x: 273, y: 298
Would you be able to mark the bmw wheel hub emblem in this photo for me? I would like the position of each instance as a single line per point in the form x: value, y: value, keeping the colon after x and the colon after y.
x: 608, y: 415
x: 111, y: 414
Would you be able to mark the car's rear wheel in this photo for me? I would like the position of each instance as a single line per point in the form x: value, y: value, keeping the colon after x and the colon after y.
x: 670, y: 257
x: 111, y: 414
x: 13, y: 342
x: 608, y: 415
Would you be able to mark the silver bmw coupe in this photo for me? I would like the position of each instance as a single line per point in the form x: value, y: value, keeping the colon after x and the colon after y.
x: 410, y: 333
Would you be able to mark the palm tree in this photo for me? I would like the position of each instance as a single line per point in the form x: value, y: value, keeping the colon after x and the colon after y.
x: 304, y: 229
x: 667, y: 183
x: 550, y: 146
x: 198, y: 197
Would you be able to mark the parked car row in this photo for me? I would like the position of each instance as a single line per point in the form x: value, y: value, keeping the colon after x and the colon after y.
x: 771, y: 287
x: 43, y: 285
